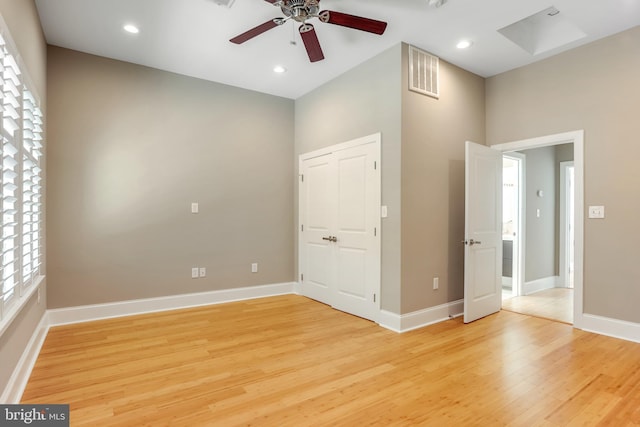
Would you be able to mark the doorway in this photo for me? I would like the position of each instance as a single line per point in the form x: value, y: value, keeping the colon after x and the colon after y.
x: 572, y: 184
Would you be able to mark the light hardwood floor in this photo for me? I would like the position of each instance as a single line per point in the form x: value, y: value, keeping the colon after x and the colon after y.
x: 290, y: 361
x: 554, y: 304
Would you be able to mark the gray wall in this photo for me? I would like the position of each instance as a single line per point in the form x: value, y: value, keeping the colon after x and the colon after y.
x: 541, y: 250
x: 130, y: 149
x: 564, y: 153
x: 595, y: 88
x: 434, y: 132
x: 363, y: 101
x: 22, y: 19
x: 542, y: 242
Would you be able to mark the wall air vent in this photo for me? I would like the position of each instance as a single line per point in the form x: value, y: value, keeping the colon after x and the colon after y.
x: 423, y: 72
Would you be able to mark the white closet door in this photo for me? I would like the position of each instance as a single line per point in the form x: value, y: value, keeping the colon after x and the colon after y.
x: 340, y: 227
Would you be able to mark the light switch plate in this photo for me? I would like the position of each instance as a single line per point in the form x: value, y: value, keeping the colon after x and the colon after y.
x: 596, y: 211
x: 194, y: 273
x: 195, y: 208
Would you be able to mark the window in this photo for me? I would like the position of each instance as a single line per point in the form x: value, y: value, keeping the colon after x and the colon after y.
x: 21, y: 149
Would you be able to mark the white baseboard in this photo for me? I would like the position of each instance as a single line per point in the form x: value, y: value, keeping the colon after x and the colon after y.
x: 540, y: 284
x: 421, y: 318
x: 611, y: 327
x: 12, y: 392
x: 63, y: 316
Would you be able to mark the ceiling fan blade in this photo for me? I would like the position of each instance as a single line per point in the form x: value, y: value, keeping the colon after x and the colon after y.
x: 272, y: 1
x: 256, y: 31
x: 352, y: 21
x: 311, y: 43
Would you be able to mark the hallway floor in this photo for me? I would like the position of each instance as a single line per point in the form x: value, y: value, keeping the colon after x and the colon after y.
x: 554, y: 304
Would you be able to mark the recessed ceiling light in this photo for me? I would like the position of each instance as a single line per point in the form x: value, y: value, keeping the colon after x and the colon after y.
x: 279, y: 69
x: 464, y: 44
x: 130, y: 28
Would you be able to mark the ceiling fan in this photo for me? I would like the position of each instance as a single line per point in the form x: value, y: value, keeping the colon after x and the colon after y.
x: 300, y: 11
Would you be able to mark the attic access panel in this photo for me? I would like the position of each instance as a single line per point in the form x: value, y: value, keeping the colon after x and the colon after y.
x: 543, y: 31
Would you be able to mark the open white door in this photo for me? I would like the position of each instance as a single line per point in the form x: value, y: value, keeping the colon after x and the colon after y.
x: 483, y: 232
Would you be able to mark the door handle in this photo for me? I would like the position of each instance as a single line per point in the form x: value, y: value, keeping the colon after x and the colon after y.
x: 471, y: 242
x: 331, y: 238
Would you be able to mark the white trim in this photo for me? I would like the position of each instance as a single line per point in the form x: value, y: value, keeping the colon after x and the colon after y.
x: 389, y: 320
x: 369, y: 139
x: 21, y: 301
x: 564, y: 234
x: 611, y: 327
x: 540, y: 285
x: 63, y: 316
x: 12, y: 392
x: 517, y: 278
x: 421, y: 318
x: 577, y: 138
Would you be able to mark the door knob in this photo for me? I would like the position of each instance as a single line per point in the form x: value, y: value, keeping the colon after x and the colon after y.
x: 471, y: 242
x: 331, y: 238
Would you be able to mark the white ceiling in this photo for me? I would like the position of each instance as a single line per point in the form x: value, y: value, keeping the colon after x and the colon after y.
x: 190, y: 37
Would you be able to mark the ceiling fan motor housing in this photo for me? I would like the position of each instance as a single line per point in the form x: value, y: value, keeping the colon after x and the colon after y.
x: 300, y: 10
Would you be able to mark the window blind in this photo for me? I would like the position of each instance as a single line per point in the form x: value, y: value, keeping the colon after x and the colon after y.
x: 21, y: 148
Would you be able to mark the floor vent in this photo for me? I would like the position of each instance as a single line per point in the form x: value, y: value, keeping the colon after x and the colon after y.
x: 423, y: 72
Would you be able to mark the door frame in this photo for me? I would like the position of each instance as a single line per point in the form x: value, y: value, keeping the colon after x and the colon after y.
x: 519, y: 248
x: 577, y: 138
x: 564, y: 234
x: 376, y: 139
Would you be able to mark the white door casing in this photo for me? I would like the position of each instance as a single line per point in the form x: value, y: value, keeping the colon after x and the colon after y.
x: 339, y: 236
x: 483, y: 232
x: 520, y: 237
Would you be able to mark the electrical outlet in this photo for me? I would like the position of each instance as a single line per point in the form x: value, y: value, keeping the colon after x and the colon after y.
x: 203, y: 272
x: 195, y: 272
x: 254, y: 267
x: 436, y: 283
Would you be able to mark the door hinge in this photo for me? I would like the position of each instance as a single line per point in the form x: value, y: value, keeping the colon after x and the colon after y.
x: 301, y: 227
x: 375, y: 165
x: 302, y: 277
x: 302, y: 177
x: 375, y: 231
x: 374, y: 297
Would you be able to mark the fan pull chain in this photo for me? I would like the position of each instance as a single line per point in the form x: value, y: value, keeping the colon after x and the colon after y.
x: 293, y: 34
